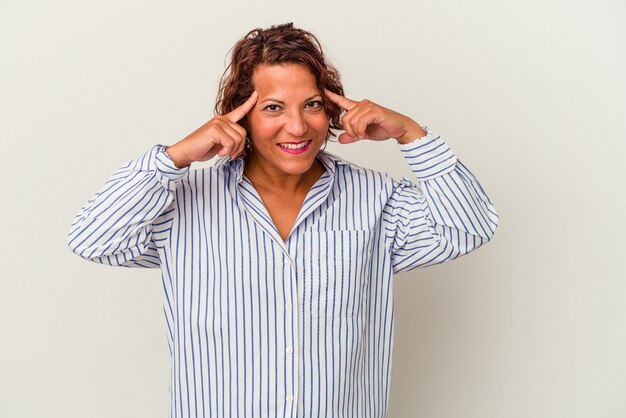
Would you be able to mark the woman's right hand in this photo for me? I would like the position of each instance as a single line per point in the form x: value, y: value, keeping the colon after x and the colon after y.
x: 222, y: 135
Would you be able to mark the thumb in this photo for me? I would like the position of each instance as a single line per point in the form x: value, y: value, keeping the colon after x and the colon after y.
x: 344, y: 138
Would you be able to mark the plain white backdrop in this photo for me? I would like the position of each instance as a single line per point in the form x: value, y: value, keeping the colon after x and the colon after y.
x: 530, y: 95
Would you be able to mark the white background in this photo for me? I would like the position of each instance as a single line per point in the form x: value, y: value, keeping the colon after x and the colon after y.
x: 530, y: 95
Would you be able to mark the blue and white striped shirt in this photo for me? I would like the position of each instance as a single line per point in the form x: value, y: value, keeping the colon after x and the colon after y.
x: 261, y: 327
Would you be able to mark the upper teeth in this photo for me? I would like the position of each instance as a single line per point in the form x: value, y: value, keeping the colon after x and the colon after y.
x: 295, y: 146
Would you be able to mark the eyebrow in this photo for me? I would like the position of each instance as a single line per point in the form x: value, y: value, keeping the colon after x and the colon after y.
x: 269, y: 99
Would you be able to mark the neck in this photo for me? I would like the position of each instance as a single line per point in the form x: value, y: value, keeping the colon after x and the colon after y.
x: 268, y: 178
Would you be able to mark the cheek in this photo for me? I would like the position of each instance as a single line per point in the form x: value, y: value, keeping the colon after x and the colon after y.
x: 320, y: 122
x: 261, y: 127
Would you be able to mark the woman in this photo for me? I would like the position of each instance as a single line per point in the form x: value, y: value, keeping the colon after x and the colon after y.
x: 277, y: 262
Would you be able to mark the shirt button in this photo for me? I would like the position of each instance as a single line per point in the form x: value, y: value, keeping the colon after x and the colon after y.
x: 289, y: 350
x: 289, y: 398
x: 288, y: 305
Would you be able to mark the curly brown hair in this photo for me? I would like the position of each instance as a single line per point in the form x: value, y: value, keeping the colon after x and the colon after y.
x: 278, y: 45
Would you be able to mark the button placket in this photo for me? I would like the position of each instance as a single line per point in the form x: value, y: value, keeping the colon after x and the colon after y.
x: 291, y: 320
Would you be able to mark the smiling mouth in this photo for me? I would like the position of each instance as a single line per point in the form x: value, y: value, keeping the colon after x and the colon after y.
x: 294, y: 145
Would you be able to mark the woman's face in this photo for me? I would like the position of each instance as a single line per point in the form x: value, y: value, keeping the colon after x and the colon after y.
x: 288, y: 124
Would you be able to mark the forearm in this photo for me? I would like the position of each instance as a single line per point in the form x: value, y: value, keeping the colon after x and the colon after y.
x: 117, y: 221
x: 453, y: 193
x: 449, y: 215
x: 413, y: 133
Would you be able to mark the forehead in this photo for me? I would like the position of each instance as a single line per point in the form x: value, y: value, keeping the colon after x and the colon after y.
x: 289, y: 79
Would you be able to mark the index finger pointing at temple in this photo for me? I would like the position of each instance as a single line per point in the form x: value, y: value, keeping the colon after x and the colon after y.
x: 339, y: 100
x: 239, y: 112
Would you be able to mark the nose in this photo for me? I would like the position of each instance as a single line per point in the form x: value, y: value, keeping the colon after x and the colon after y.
x: 295, y: 125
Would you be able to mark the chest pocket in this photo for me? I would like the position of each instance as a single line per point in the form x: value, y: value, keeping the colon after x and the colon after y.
x: 336, y: 280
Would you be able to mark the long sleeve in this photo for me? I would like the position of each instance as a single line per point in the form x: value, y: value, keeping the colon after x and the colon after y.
x: 447, y: 216
x: 116, y: 226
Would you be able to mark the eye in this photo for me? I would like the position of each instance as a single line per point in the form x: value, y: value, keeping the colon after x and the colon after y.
x: 272, y: 107
x: 314, y: 104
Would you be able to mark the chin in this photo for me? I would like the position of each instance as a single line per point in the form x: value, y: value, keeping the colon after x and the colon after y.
x: 297, y: 163
x: 296, y: 167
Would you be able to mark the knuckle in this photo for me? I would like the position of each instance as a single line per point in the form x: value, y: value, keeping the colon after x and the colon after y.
x: 214, y: 123
x: 212, y: 131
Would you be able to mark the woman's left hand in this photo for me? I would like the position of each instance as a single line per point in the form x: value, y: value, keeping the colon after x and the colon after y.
x: 367, y: 120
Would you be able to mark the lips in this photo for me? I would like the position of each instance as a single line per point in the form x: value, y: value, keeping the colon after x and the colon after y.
x: 295, y: 147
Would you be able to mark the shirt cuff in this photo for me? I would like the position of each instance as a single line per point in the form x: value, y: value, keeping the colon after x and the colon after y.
x: 428, y: 156
x: 166, y: 167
